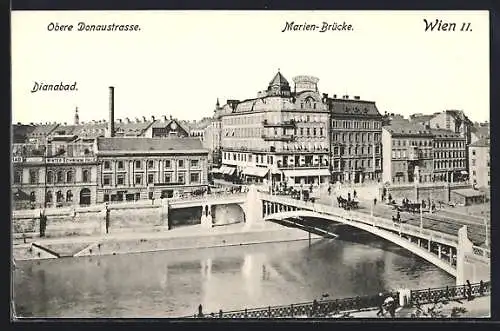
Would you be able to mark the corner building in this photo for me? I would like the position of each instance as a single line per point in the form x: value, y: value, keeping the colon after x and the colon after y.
x: 281, y: 135
x: 356, y: 143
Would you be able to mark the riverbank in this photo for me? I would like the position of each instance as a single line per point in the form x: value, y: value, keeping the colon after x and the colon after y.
x: 188, y: 237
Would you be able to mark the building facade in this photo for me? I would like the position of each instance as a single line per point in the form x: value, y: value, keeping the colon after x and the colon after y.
x: 355, y: 140
x: 450, y: 162
x: 56, y: 174
x: 407, y: 153
x: 479, y: 160
x: 280, y: 136
x: 147, y: 168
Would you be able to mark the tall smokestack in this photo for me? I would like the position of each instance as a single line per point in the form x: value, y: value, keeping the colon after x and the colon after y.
x: 111, y: 123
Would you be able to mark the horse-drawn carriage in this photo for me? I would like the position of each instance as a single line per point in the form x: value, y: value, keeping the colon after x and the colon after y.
x: 348, y: 203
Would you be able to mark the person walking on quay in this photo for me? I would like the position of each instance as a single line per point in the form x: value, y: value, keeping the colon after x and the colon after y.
x: 374, y: 201
x: 43, y: 223
x: 380, y: 303
x: 354, y: 194
x: 469, y: 291
x: 390, y: 306
x: 329, y: 190
x: 107, y: 219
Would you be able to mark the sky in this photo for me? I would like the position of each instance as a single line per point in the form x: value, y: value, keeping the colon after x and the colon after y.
x: 180, y: 62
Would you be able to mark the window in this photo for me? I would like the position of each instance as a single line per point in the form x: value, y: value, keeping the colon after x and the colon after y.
x: 151, y: 178
x: 308, y: 131
x: 48, y: 196
x: 195, y: 178
x: 473, y: 162
x: 69, y: 196
x: 301, y: 131
x: 150, y: 195
x: 181, y: 162
x: 474, y: 152
x: 33, y: 177
x: 106, y: 197
x: 138, y: 164
x: 69, y: 177
x: 50, y: 177
x: 168, y: 178
x: 314, y: 131
x: 180, y: 178
x: 107, y: 165
x: 120, y: 179
x: 85, y: 176
x: 106, y: 180
x: 138, y: 179
x: 59, y: 196
x: 120, y: 165
x: 320, y: 131
x: 168, y: 164
x: 60, y: 177
x: 151, y: 164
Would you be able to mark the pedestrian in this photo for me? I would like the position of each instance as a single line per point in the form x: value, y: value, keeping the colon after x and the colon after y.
x: 390, y: 198
x: 481, y: 288
x: 374, y: 201
x: 314, y: 309
x: 107, y: 219
x: 349, y: 196
x: 469, y: 291
x: 390, y: 306
x: 398, y: 217
x: 354, y: 194
x: 380, y: 304
x: 329, y: 190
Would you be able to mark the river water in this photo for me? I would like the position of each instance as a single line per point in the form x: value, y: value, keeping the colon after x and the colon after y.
x: 174, y: 283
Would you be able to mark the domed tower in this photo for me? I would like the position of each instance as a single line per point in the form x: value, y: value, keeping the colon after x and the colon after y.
x: 77, y: 118
x: 279, y: 86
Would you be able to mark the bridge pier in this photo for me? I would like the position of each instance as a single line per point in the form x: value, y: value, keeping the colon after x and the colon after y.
x: 439, y: 251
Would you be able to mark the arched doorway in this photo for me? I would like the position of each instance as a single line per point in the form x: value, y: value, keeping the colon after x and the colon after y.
x: 85, y: 196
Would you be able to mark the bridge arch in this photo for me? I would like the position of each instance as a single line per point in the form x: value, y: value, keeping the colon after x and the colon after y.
x: 417, y: 247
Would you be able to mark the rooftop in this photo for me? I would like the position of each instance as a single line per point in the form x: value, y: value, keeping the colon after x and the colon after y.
x: 133, y: 144
x: 441, y: 133
x: 353, y: 107
x: 407, y: 128
x: 485, y: 142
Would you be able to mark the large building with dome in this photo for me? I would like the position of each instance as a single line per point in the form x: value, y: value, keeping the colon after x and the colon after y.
x: 281, y: 135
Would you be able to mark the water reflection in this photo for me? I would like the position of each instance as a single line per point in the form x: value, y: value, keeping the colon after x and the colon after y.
x: 169, y: 284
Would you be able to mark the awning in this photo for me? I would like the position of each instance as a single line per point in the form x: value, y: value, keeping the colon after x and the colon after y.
x: 306, y: 172
x: 226, y: 170
x: 255, y: 171
x: 215, y: 171
x: 463, y: 172
x: 468, y: 192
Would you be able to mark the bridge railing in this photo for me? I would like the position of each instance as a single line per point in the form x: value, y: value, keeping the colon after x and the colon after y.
x: 315, y: 308
x: 447, y: 293
x: 480, y: 251
x: 365, y: 219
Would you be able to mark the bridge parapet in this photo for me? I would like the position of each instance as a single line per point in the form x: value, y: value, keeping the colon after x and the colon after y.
x: 387, y: 224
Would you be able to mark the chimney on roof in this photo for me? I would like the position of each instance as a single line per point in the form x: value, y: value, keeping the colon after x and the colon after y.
x: 346, y: 96
x: 137, y: 120
x: 356, y: 97
x: 127, y: 119
x: 164, y: 118
x: 335, y: 96
x: 171, y: 117
x: 144, y: 119
x: 152, y: 118
x: 119, y: 120
x: 111, y: 122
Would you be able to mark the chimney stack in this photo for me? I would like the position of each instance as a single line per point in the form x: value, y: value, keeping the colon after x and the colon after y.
x: 111, y: 122
x: 152, y: 118
x: 127, y: 119
x: 144, y: 119
x: 164, y: 118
